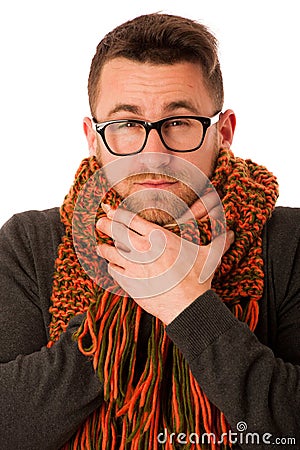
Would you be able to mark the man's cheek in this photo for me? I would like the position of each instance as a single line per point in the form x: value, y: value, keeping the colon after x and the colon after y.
x: 123, y: 188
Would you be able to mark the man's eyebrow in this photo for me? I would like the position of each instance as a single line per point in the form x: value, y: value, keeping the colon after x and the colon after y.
x: 181, y: 104
x: 120, y: 107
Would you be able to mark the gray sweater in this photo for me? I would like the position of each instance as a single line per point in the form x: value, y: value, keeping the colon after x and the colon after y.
x: 47, y: 393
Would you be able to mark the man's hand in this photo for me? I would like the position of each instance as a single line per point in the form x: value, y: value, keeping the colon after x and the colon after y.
x: 162, y: 272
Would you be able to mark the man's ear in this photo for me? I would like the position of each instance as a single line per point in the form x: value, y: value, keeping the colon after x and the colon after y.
x: 91, y: 135
x: 226, y: 128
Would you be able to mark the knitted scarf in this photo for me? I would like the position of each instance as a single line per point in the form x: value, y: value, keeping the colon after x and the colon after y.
x: 149, y: 387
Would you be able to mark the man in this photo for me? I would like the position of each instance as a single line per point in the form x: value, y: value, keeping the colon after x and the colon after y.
x: 106, y: 341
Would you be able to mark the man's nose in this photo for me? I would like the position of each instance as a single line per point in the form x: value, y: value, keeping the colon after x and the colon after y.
x: 155, y: 154
x: 154, y: 143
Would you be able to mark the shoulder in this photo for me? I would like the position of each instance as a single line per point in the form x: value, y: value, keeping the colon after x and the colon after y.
x: 284, y: 219
x: 34, y: 223
x: 282, y: 255
x: 34, y: 233
x: 282, y: 233
x: 34, y: 218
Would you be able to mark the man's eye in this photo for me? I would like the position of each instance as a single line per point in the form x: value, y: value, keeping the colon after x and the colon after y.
x: 130, y: 126
x: 177, y: 123
x: 127, y: 125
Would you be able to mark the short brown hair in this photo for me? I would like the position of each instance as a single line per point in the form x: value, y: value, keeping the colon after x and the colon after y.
x: 160, y: 39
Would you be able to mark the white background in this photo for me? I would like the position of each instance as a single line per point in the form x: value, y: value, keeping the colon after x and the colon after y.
x: 46, y: 50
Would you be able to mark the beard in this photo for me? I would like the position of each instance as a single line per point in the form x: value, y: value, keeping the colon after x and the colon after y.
x: 160, y: 206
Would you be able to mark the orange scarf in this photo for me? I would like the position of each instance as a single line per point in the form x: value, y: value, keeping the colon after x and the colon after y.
x: 145, y: 395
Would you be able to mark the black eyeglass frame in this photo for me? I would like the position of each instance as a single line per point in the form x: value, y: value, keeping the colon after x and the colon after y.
x: 148, y: 126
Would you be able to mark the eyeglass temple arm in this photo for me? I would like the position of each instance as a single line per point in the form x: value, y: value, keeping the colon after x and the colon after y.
x: 216, y: 118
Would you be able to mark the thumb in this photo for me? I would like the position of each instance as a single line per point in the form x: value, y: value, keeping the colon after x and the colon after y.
x: 216, y: 249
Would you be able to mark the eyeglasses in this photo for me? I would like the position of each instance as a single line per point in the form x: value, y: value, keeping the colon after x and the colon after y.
x: 178, y: 134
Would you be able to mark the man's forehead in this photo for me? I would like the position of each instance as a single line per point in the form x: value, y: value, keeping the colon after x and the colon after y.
x: 136, y: 87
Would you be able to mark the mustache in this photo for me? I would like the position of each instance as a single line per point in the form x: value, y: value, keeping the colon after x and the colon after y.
x: 163, y: 175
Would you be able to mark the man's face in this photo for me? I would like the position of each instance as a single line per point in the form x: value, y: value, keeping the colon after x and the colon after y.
x: 131, y: 90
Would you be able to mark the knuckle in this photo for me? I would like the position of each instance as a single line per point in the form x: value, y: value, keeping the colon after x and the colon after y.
x: 143, y: 245
x: 102, y: 250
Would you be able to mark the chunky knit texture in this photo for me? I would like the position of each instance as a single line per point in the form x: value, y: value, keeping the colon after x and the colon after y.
x: 141, y: 399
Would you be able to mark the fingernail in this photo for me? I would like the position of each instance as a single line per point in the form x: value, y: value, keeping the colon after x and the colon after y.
x: 106, y: 208
x: 231, y: 236
x: 98, y: 224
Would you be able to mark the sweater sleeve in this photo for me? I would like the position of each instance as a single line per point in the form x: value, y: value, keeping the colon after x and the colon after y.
x: 251, y: 380
x: 45, y: 393
x: 239, y: 375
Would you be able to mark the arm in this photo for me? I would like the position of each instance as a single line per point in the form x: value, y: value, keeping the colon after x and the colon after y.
x: 45, y: 393
x: 239, y: 375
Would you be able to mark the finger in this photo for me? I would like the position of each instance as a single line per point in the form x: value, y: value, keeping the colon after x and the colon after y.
x: 111, y: 254
x: 124, y: 238
x: 217, y: 248
x: 230, y: 238
x: 215, y: 213
x: 118, y: 274
x: 132, y: 221
x: 115, y: 230
x: 210, y: 200
x: 221, y: 245
x: 202, y: 207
